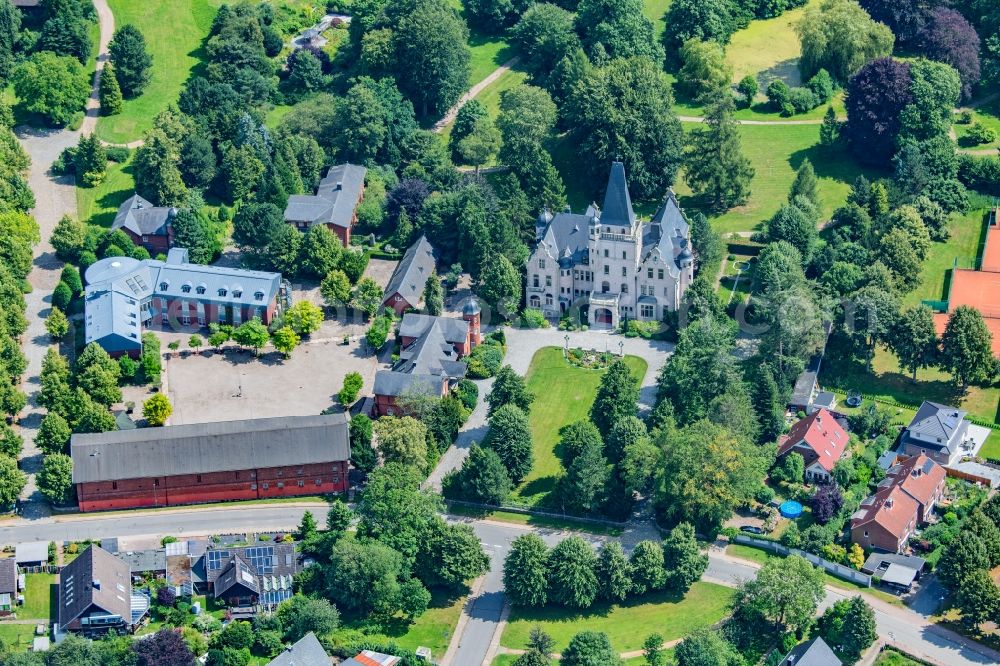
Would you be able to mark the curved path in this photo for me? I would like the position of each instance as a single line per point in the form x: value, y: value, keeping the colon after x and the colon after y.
x: 55, y: 196
x: 701, y: 119
x: 452, y: 113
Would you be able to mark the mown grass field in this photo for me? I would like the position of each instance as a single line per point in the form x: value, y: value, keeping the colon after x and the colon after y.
x: 98, y: 205
x: 962, y: 248
x: 769, y: 49
x: 174, y: 32
x: 627, y: 625
x: 17, y: 637
x: 564, y: 393
x: 776, y: 152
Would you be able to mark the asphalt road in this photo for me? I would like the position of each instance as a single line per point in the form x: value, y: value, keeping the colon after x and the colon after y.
x: 902, y: 626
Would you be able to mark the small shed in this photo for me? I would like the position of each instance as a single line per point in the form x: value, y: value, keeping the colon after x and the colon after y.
x: 40, y: 644
x: 32, y: 554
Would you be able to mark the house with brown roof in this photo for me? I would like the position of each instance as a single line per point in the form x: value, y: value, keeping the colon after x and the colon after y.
x: 95, y: 595
x: 902, y: 501
x: 821, y: 442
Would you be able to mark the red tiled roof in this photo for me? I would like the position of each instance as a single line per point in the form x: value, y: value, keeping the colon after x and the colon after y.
x: 821, y: 433
x: 918, y: 476
x: 893, y: 516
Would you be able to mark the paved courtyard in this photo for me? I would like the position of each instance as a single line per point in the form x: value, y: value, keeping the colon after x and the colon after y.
x: 237, y: 385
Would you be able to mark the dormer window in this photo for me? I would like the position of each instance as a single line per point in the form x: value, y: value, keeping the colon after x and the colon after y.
x: 258, y: 295
x: 186, y: 288
x: 237, y: 293
x: 164, y: 286
x: 200, y: 289
x: 223, y: 291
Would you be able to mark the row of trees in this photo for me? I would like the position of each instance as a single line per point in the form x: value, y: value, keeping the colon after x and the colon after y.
x: 965, y: 564
x: 572, y: 574
x: 18, y: 234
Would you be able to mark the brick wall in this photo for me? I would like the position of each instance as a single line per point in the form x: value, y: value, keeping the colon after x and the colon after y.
x: 246, y: 484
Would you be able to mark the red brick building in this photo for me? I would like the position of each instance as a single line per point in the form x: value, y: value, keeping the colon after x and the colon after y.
x: 431, y: 349
x: 335, y: 204
x: 211, y: 462
x: 820, y: 440
x: 147, y: 225
x: 902, y: 501
x: 405, y: 290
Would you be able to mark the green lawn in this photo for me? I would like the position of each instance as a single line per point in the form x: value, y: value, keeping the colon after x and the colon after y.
x: 17, y: 636
x: 736, y: 285
x: 987, y: 115
x: 433, y: 629
x: 174, y: 31
x: 38, y: 597
x: 509, y: 659
x: 488, y: 53
x: 654, y: 11
x: 98, y: 205
x: 564, y: 393
x: 768, y: 49
x: 776, y: 152
x: 627, y: 625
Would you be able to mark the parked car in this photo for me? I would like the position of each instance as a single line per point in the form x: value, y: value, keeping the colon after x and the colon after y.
x: 752, y: 529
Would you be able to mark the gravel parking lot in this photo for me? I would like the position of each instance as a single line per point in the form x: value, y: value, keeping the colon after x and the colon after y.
x: 236, y: 385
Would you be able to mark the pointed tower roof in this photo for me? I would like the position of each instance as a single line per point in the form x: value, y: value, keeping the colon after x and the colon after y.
x: 617, y: 202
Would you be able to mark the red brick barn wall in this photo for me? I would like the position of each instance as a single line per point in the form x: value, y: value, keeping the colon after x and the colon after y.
x: 214, y: 487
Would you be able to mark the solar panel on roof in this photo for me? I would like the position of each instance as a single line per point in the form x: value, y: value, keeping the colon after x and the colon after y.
x: 261, y: 558
x: 216, y: 559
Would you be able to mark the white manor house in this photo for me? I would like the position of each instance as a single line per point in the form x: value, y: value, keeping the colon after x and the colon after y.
x: 608, y: 262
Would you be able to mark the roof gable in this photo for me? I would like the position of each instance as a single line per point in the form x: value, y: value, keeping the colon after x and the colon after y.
x: 410, y: 276
x: 95, y: 578
x: 822, y: 434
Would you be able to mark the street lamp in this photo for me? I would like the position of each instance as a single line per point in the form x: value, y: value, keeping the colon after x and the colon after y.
x: 566, y: 349
x: 621, y: 348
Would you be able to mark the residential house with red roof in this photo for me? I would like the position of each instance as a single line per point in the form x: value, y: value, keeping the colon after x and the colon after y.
x: 902, y: 501
x: 821, y: 442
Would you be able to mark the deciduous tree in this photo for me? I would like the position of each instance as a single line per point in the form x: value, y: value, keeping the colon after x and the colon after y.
x: 914, y: 339
x: 572, y: 579
x: 525, y: 571
x: 157, y: 409
x: 589, y: 648
x: 55, y: 480
x: 682, y: 558
x: 52, y: 86
x: 786, y: 591
x: 840, y: 37
x: 966, y: 347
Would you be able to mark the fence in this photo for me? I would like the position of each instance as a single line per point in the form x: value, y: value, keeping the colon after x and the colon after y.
x: 838, y: 570
x: 45, y: 568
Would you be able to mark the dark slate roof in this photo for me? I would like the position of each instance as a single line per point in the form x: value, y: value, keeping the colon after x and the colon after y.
x: 617, y: 210
x: 97, y: 578
x: 941, y: 424
x: 8, y: 576
x: 414, y: 325
x: 876, y: 561
x: 209, y: 447
x: 393, y: 383
x: 237, y: 572
x: 143, y: 218
x: 123, y: 421
x: 812, y: 653
x: 567, y: 236
x: 411, y: 272
x: 335, y: 200
x: 307, y: 651
x: 284, y: 561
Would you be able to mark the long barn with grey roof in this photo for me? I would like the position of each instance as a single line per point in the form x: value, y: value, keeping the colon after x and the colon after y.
x: 609, y: 262
x: 123, y: 295
x: 204, y: 462
x: 334, y: 205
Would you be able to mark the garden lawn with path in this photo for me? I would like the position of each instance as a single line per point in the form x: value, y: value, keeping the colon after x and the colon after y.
x: 564, y: 393
x: 174, y: 32
x: 17, y: 637
x: 627, y: 624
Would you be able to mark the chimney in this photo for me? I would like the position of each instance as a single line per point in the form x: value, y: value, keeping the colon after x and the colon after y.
x: 97, y: 584
x: 888, y: 503
x: 340, y: 185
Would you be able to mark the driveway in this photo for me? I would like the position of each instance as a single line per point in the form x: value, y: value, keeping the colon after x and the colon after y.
x: 521, y: 347
x: 54, y: 198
